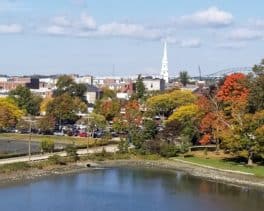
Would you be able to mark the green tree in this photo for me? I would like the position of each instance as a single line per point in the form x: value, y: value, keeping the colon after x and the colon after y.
x: 244, y: 134
x: 140, y: 88
x: 25, y: 100
x: 149, y: 129
x: 108, y: 94
x: 65, y: 107
x: 66, y: 84
x: 184, y: 78
x: 256, y: 87
x: 94, y: 121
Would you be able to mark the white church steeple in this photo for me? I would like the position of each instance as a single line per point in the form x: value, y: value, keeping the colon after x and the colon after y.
x: 164, y: 68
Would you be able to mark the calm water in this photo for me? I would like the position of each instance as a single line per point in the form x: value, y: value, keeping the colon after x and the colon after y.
x: 128, y: 189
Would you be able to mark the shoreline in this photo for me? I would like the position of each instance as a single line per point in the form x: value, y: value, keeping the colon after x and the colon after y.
x: 207, y: 173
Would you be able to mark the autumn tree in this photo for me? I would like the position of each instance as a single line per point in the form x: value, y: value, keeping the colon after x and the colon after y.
x: 187, y: 116
x: 46, y: 124
x: 9, y: 113
x: 245, y: 135
x: 65, y: 108
x: 108, y: 108
x: 164, y: 104
x: 212, y: 120
x: 234, y: 90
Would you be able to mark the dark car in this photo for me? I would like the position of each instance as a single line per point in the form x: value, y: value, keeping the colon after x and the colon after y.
x: 98, y: 134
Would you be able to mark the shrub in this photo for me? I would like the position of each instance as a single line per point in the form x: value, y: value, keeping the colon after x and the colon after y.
x: 57, y: 160
x: 169, y: 150
x: 123, y: 146
x: 14, y: 167
x: 47, y: 145
x: 71, y: 151
x: 152, y: 147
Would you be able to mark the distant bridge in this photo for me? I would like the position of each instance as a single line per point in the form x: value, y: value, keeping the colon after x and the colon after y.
x: 225, y: 72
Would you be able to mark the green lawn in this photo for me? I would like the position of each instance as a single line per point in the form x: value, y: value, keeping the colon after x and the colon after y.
x: 226, y: 165
x: 57, y: 139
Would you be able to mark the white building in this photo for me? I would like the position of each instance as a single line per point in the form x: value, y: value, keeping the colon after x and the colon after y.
x: 84, y: 79
x: 164, y: 67
x: 154, y: 84
x: 92, y: 94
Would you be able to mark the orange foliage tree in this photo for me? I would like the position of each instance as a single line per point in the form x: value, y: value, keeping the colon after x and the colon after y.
x: 233, y: 90
x: 212, y: 121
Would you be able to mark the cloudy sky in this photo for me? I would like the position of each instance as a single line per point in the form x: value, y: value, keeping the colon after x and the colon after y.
x: 92, y: 36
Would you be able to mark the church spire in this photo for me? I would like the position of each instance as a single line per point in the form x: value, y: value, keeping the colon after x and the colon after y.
x: 164, y: 67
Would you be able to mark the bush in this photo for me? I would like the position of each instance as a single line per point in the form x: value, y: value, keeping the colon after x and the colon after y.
x: 47, y: 145
x: 71, y: 151
x: 152, y: 147
x: 57, y: 160
x: 169, y: 150
x: 123, y: 146
x: 137, y: 139
x: 14, y: 167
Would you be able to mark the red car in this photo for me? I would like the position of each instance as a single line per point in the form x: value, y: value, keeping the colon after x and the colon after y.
x: 83, y: 134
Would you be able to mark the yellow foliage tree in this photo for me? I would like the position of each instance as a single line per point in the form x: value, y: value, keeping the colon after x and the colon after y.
x: 185, y: 113
x: 9, y: 113
x: 44, y: 104
x: 164, y: 104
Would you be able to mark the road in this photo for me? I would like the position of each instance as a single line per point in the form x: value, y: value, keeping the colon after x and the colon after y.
x: 109, y: 148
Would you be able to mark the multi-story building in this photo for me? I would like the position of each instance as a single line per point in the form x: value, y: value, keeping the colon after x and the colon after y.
x: 13, y: 82
x: 154, y: 84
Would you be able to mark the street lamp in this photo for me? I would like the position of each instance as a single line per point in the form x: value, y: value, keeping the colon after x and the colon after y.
x: 30, y: 120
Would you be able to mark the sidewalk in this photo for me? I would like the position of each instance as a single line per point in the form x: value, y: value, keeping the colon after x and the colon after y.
x: 110, y: 148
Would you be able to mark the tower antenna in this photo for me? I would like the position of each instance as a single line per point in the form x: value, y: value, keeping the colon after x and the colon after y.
x: 200, y: 73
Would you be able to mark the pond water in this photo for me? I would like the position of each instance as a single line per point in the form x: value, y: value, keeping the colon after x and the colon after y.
x: 129, y: 189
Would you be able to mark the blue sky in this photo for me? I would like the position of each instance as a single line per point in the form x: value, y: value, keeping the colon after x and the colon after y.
x: 90, y: 36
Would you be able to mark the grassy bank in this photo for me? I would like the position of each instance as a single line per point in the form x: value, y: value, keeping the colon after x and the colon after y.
x: 80, y: 142
x: 58, y: 161
x: 224, y: 164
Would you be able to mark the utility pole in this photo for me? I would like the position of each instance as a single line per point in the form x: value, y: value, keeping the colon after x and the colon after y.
x: 29, y: 140
x: 113, y: 71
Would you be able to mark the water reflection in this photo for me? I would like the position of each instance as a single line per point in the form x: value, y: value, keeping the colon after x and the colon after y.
x: 129, y: 189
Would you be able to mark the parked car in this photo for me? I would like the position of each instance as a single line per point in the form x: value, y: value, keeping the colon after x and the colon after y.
x: 58, y: 133
x: 83, y: 134
x: 98, y: 134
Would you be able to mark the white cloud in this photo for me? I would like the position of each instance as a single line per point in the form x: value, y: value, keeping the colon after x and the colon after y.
x: 86, y: 26
x: 55, y: 30
x: 192, y: 43
x: 212, y: 17
x: 245, y: 34
x: 185, y: 43
x: 62, y: 21
x: 231, y: 45
x: 10, y: 29
x: 87, y: 21
x: 128, y: 30
x: 252, y: 22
